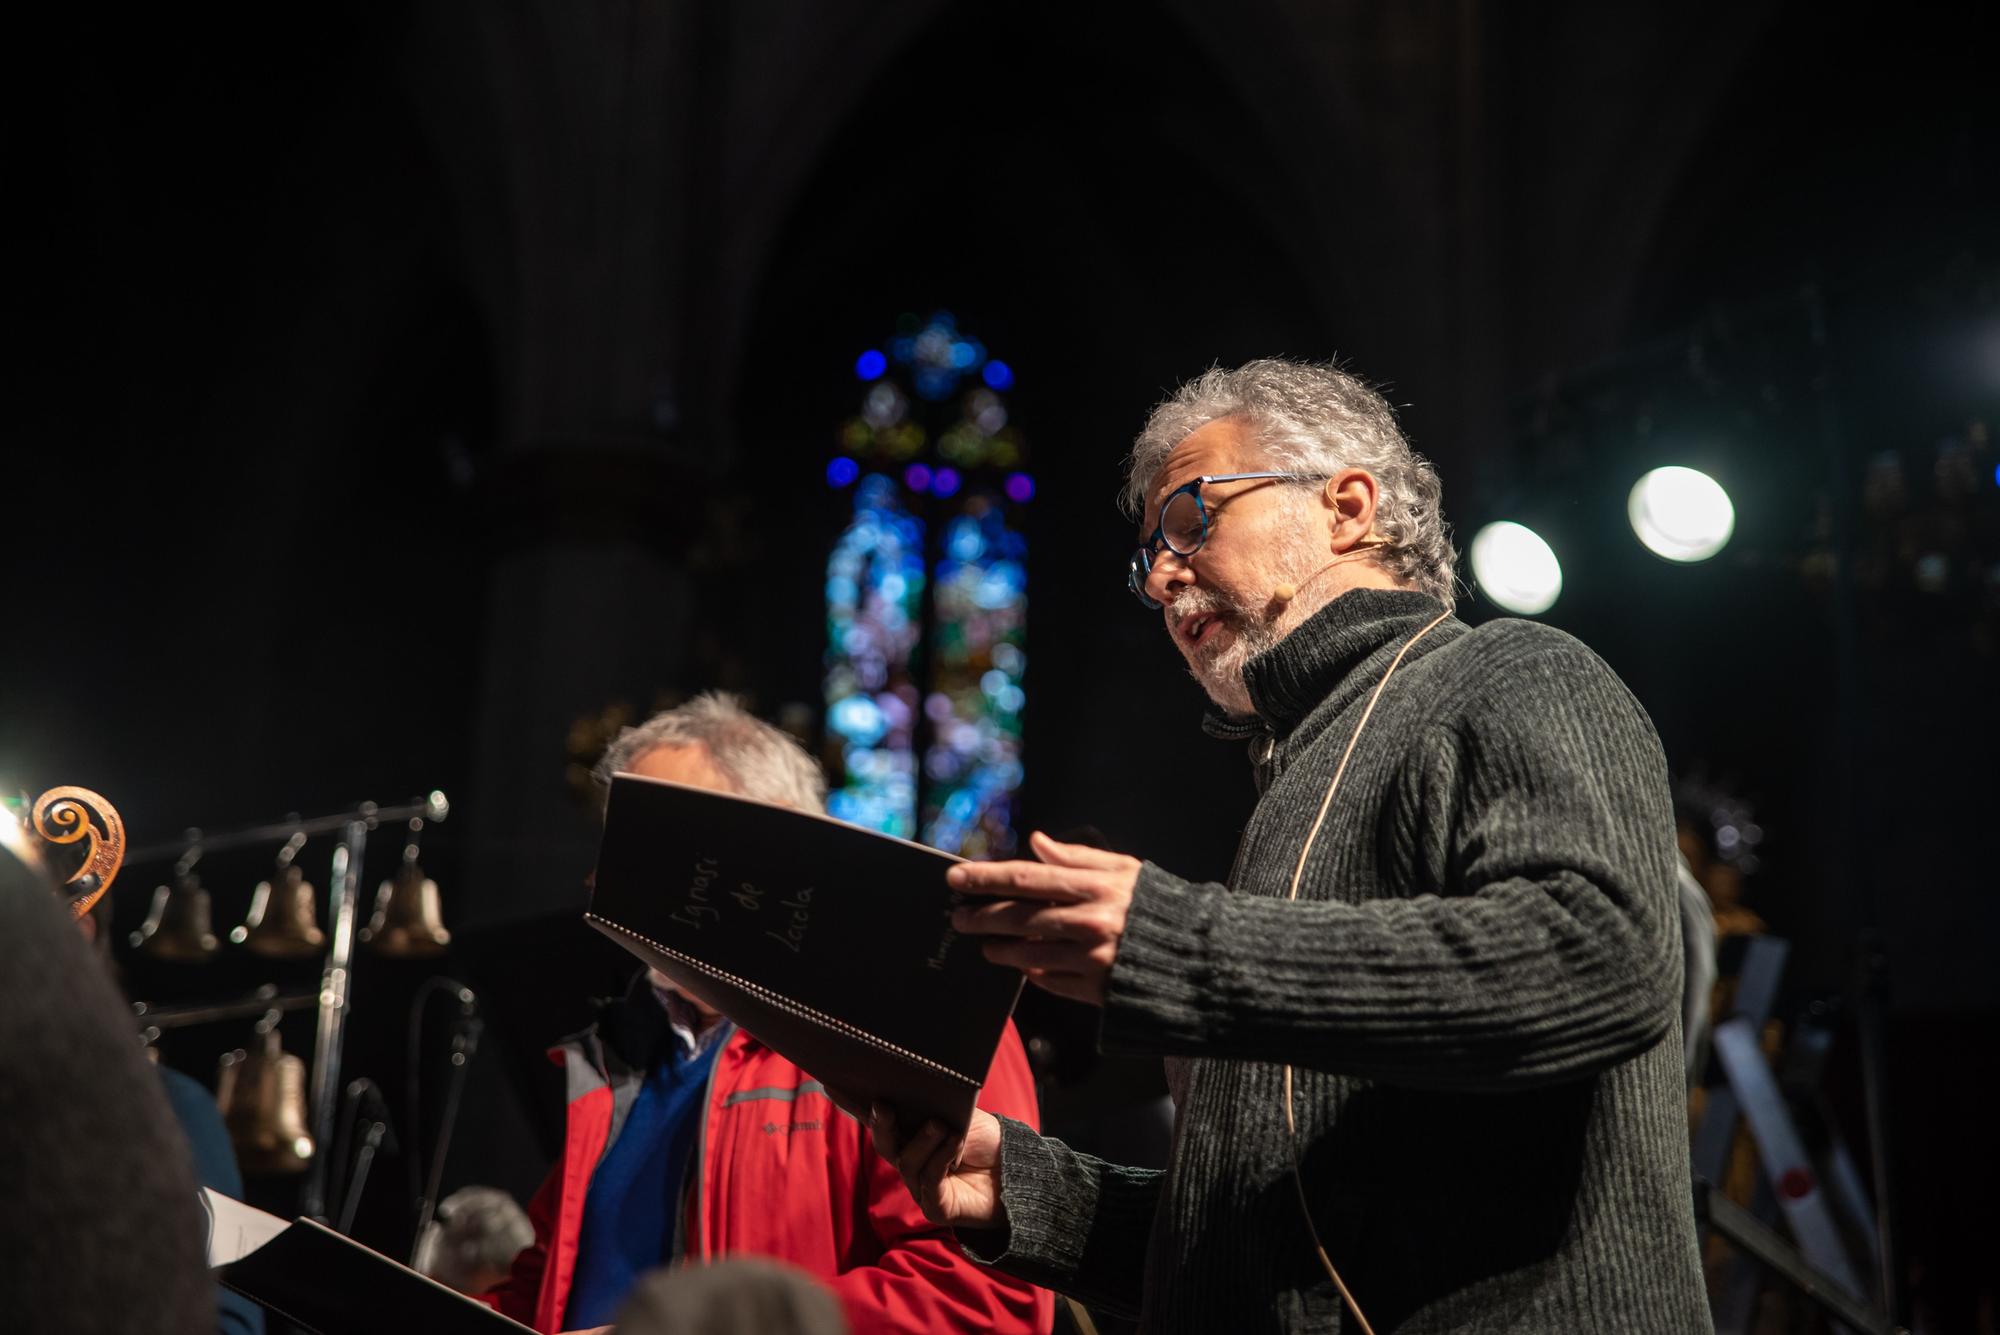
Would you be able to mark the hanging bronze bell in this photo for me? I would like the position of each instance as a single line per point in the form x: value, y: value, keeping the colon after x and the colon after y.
x: 281, y: 924
x: 408, y: 922
x: 178, y: 926
x: 262, y: 1094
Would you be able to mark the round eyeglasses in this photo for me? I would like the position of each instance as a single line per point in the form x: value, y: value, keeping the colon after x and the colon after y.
x: 1183, y: 526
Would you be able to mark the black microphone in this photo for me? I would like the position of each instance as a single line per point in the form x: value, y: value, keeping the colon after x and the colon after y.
x: 466, y: 1029
x: 365, y: 1096
x: 363, y: 1130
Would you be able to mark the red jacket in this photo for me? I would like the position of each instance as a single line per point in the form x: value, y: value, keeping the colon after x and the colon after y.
x: 781, y: 1172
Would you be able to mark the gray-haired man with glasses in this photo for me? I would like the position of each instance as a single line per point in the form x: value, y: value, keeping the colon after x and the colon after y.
x: 1183, y: 526
x: 1424, y: 1043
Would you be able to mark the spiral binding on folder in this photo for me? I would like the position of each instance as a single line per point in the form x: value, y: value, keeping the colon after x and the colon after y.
x: 785, y: 1003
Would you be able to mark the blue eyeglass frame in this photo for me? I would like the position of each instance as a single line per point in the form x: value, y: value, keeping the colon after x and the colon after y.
x: 1142, y: 558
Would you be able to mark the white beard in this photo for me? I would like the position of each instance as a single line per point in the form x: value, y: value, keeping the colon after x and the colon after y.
x: 1219, y: 667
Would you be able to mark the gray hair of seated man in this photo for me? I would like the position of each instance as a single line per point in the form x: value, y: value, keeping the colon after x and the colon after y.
x: 739, y: 1294
x: 763, y: 762
x: 478, y: 1230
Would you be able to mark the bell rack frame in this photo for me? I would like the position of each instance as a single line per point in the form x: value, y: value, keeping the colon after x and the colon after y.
x: 336, y: 973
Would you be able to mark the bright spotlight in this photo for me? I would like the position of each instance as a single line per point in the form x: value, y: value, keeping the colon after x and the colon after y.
x: 1516, y: 568
x: 1681, y: 514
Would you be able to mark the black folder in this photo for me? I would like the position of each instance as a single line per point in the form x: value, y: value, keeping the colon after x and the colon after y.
x: 829, y: 943
x: 330, y: 1284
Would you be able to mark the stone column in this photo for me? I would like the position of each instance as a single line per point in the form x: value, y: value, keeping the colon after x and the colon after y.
x: 564, y: 130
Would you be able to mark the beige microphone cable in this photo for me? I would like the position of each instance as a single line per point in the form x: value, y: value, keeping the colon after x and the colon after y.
x: 1285, y: 592
x: 1291, y: 1121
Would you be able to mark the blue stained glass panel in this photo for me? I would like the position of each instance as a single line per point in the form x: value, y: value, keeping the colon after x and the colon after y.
x: 976, y: 701
x: 874, y: 597
x: 933, y: 415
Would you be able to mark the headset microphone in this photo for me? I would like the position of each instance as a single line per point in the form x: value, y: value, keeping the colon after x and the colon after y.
x: 1285, y: 592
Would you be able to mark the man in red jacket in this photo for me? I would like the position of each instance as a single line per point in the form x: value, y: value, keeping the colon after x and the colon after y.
x: 688, y: 1139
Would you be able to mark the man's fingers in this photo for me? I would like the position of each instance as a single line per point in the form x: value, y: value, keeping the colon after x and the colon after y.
x: 939, y: 1166
x: 1075, y: 986
x: 1060, y: 854
x: 1018, y: 917
x: 1038, y: 956
x: 1015, y: 879
x: 881, y: 1123
x: 916, y: 1153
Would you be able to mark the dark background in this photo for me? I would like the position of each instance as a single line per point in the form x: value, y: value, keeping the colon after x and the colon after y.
x: 400, y: 386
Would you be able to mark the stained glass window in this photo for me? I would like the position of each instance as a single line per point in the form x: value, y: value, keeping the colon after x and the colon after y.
x: 926, y: 595
x: 874, y: 593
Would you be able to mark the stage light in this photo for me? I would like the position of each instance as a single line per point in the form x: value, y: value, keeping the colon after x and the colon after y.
x: 998, y: 375
x: 917, y: 477
x: 945, y: 483
x: 870, y: 365
x: 841, y: 471
x: 1681, y: 514
x: 1516, y: 569
x: 1020, y: 488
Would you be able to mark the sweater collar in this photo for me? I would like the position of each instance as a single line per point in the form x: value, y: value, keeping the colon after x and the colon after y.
x: 1298, y: 673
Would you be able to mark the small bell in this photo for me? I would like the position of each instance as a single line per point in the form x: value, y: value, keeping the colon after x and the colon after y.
x: 282, y: 922
x: 408, y: 922
x: 262, y: 1094
x: 178, y: 926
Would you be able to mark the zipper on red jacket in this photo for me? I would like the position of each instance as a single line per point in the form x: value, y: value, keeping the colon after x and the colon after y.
x: 697, y: 1186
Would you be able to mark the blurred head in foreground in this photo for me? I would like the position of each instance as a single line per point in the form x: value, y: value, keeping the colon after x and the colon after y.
x: 768, y: 1297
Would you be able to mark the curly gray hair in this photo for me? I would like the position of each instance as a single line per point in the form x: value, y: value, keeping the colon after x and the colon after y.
x: 1314, y: 418
x: 760, y: 760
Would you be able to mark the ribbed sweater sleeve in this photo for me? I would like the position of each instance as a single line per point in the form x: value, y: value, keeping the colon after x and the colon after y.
x: 1546, y: 950
x: 1075, y: 1224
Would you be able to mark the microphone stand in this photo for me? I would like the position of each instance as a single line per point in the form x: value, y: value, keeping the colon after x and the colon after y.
x: 465, y: 1033
x: 361, y: 1094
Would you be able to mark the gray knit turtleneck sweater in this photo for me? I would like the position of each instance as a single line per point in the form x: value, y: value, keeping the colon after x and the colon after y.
x: 1479, y: 989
